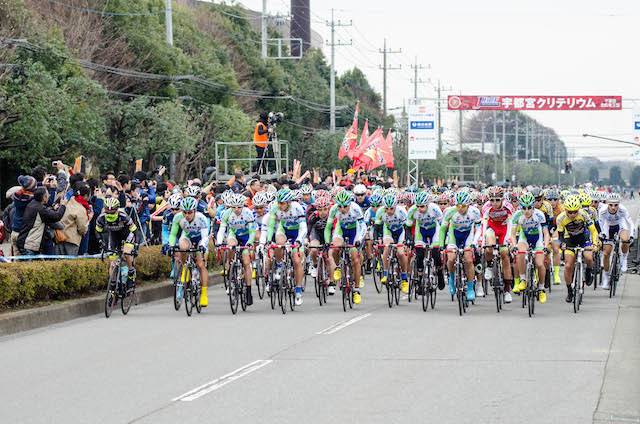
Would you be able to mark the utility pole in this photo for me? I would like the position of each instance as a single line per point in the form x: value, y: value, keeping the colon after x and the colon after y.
x: 504, y: 147
x: 264, y: 29
x: 517, y: 155
x: 168, y: 23
x: 386, y: 68
x: 440, y: 89
x: 333, y: 24
x: 416, y: 80
x: 461, y: 164
x: 495, y: 146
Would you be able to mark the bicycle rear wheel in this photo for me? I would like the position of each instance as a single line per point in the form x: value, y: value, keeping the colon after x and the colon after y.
x: 389, y: 284
x: 260, y: 277
x: 127, y: 300
x: 577, y: 275
x: 460, y: 301
x: 243, y: 294
x: 282, y: 297
x: 425, y: 283
x: 188, y: 301
x: 377, y: 274
x: 433, y: 289
x: 197, y: 294
x: 614, y: 274
x: 530, y: 300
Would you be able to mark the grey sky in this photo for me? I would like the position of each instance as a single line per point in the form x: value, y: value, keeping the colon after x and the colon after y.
x: 546, y: 47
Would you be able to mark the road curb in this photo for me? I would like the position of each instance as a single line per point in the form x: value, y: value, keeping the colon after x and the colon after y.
x: 16, y: 322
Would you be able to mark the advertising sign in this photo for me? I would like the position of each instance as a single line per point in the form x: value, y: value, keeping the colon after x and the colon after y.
x: 535, y: 102
x: 423, y: 136
x: 636, y: 131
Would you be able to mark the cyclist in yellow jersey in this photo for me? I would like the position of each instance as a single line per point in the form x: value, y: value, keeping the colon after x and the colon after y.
x: 576, y: 228
x: 553, y: 196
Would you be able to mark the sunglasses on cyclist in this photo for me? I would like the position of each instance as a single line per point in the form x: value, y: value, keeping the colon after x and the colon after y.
x: 553, y: 199
x: 614, y: 204
x: 572, y: 212
x: 323, y: 209
x: 496, y: 200
x: 443, y: 203
x: 527, y: 208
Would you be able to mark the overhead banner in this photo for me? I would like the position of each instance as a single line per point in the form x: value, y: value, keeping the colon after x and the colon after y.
x: 535, y: 102
x: 636, y: 132
x: 423, y: 136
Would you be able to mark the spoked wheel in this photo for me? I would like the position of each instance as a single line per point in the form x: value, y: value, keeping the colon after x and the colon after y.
x: 233, y: 288
x: 292, y: 298
x: 110, y: 299
x: 291, y: 287
x: 177, y: 302
x: 426, y: 289
x: 260, y: 278
x: 243, y: 294
x: 576, y: 290
x: 460, y: 301
x: 433, y: 289
x: 127, y: 299
x: 377, y: 274
x: 531, y: 300
x: 187, y: 293
x: 390, y: 289
x: 197, y: 293
x: 282, y: 298
x: 614, y: 275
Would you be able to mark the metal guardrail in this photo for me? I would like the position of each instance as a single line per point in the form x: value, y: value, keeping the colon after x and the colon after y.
x: 226, y: 166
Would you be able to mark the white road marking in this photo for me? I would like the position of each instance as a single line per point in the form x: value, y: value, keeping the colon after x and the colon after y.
x: 343, y: 324
x: 219, y: 382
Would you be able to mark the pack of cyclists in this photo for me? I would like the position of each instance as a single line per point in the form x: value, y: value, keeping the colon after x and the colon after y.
x: 482, y: 226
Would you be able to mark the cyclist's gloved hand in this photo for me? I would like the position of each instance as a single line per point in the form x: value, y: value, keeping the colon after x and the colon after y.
x: 358, y: 244
x: 602, y: 236
x: 631, y: 241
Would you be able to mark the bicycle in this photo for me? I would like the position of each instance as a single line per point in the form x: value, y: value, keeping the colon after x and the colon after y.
x: 429, y: 281
x: 460, y: 280
x: 261, y: 275
x: 286, y: 286
x: 615, y: 265
x: 577, y: 283
x: 497, y: 281
x: 597, y: 269
x: 393, y: 280
x: 116, y: 288
x: 531, y: 291
x: 347, y: 283
x: 320, y: 282
x: 237, y: 283
x: 188, y: 277
x: 377, y: 268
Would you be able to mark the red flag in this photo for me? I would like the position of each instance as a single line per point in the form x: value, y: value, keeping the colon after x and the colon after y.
x: 386, y: 150
x: 379, y: 151
x: 351, y: 138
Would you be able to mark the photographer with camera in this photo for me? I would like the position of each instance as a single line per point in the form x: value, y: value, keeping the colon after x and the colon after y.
x: 261, y: 139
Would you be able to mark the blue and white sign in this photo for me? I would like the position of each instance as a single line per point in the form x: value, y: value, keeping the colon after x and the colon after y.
x: 423, y: 138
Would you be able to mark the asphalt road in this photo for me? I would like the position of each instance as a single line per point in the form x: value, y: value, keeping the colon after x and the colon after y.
x: 372, y: 364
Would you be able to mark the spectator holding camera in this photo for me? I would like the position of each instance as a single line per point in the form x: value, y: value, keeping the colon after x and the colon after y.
x: 35, y: 220
x: 75, y: 220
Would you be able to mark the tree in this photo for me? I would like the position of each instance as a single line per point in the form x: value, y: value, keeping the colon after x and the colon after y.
x: 615, y: 176
x: 635, y: 176
x: 594, y: 174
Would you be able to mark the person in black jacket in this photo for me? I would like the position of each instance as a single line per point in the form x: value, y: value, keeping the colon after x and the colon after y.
x: 36, y: 217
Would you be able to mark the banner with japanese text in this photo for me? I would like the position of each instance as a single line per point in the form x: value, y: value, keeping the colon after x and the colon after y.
x: 535, y: 102
x: 423, y: 131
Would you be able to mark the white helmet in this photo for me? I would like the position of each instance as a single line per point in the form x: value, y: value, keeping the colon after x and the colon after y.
x: 306, y: 189
x: 297, y: 195
x: 237, y: 200
x: 226, y: 197
x: 260, y: 199
x: 175, y: 201
x: 614, y: 198
x: 193, y: 191
x: 360, y: 189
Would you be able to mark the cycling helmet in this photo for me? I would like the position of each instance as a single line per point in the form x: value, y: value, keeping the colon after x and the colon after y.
x: 237, y: 201
x: 323, y: 202
x: 323, y: 193
x: 343, y: 198
x: 585, y: 199
x: 306, y: 189
x: 552, y: 194
x: 495, y: 192
x: 337, y: 189
x: 390, y: 201
x: 572, y: 203
x: 189, y: 204
x: 297, y: 195
x: 111, y: 205
x: 226, y: 197
x: 284, y: 196
x: 409, y: 197
x: 536, y: 191
x: 260, y: 199
x: 177, y: 190
x: 613, y: 198
x: 359, y: 189
x: 175, y: 201
x: 271, y: 196
x: 375, y: 200
x: 443, y: 198
x: 463, y: 198
x: 422, y: 198
x: 192, y: 191
x: 527, y: 200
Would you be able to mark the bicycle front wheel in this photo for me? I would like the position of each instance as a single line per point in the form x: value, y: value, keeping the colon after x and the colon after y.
x: 234, y: 275
x: 110, y: 299
x: 260, y: 278
x: 377, y: 274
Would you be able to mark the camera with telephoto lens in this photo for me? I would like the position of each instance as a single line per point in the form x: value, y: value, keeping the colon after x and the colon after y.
x: 272, y: 122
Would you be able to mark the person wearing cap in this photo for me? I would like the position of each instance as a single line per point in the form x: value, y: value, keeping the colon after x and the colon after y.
x: 261, y: 139
x: 20, y: 201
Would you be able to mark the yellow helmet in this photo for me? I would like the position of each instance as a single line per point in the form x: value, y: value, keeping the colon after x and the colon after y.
x: 572, y: 203
x: 585, y: 199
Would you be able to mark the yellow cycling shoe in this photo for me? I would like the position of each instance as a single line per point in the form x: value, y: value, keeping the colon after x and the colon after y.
x: 522, y: 285
x: 337, y: 274
x: 204, y: 300
x: 542, y: 297
x: 378, y: 267
x: 404, y: 286
x: 253, y: 274
x: 556, y: 279
x: 357, y: 298
x: 383, y: 279
x: 361, y: 281
x: 223, y: 272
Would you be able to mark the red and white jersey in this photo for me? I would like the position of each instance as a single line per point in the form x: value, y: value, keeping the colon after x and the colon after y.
x: 500, y: 216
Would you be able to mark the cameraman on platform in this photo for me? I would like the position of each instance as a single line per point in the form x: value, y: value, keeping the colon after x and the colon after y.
x: 260, y: 139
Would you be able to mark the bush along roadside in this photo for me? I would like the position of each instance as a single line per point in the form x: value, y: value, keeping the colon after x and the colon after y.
x: 26, y: 282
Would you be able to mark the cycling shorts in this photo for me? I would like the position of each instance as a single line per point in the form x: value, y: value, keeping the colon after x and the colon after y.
x: 535, y: 241
x: 499, y: 231
x: 425, y: 236
x: 347, y: 235
x: 396, y: 237
x: 116, y: 238
x: 461, y: 239
x: 613, y: 230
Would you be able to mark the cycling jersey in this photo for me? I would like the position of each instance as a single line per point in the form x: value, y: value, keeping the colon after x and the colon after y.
x: 317, y: 226
x: 392, y: 225
x: 497, y: 221
x: 620, y: 219
x: 167, y: 220
x: 115, y: 232
x: 348, y: 225
x: 460, y: 230
x: 291, y: 222
x: 427, y: 224
x: 241, y: 227
x: 365, y: 204
x: 196, y: 231
x: 577, y: 226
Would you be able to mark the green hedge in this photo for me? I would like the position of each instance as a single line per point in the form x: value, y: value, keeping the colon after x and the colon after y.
x: 26, y: 282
